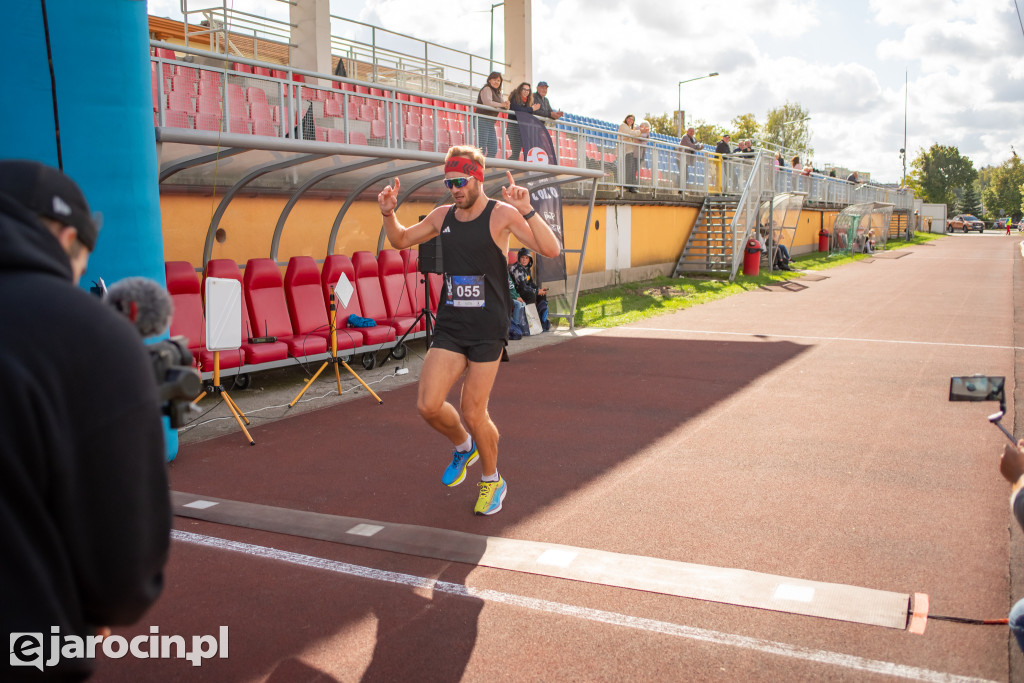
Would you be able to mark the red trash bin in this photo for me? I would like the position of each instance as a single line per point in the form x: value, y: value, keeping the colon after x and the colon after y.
x: 823, y: 240
x: 752, y: 258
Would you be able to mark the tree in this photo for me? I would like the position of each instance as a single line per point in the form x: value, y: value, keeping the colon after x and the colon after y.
x: 939, y: 172
x: 1004, y: 190
x: 969, y: 202
x: 663, y: 124
x: 796, y: 135
x: 707, y: 133
x: 745, y: 126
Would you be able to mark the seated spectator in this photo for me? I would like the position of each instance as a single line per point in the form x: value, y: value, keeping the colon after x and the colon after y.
x: 795, y: 161
x: 779, y: 161
x: 517, y: 327
x: 782, y: 258
x: 852, y: 178
x: 527, y: 288
x: 808, y: 169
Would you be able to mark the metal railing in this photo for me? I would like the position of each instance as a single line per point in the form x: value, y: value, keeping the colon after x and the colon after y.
x: 371, y: 53
x: 200, y: 96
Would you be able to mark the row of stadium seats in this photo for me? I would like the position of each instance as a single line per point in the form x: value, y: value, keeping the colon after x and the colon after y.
x: 294, y: 310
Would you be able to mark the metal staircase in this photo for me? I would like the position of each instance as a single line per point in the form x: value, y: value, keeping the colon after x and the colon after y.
x: 710, y: 246
x: 716, y: 242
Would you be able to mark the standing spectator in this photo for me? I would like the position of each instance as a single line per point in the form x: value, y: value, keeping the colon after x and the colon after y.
x: 628, y: 134
x: 541, y: 97
x: 489, y: 96
x: 723, y: 146
x: 690, y: 148
x: 689, y: 141
x: 645, y: 141
x: 518, y: 101
x: 527, y: 288
x: 83, y: 483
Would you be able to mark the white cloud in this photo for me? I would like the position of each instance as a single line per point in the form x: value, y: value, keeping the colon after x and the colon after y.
x: 844, y: 62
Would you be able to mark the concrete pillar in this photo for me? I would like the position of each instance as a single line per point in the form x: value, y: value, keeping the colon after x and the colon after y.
x: 311, y: 35
x: 518, y: 42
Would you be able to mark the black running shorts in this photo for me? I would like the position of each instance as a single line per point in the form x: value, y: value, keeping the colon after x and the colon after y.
x: 475, y: 351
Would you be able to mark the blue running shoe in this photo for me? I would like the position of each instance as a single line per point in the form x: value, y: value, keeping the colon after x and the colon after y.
x: 456, y: 471
x: 491, y: 495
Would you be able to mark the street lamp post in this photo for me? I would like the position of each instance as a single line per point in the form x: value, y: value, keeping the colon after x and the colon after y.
x: 680, y: 88
x: 787, y: 123
x: 500, y: 4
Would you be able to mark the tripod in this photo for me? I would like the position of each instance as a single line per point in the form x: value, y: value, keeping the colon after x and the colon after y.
x: 425, y: 313
x: 334, y: 360
x: 232, y: 406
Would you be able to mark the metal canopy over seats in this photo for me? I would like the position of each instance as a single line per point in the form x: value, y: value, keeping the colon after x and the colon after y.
x: 859, y: 224
x: 205, y: 160
x: 777, y: 222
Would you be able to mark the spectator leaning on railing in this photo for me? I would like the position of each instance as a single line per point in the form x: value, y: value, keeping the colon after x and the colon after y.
x: 489, y: 96
x: 541, y: 97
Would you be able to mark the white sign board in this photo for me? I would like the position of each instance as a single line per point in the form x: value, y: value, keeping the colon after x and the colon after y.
x: 223, y: 314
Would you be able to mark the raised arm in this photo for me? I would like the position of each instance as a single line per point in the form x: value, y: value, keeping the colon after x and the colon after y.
x: 400, y: 236
x: 534, y: 231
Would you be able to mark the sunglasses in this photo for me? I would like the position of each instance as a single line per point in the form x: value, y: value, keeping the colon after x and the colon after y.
x: 455, y: 182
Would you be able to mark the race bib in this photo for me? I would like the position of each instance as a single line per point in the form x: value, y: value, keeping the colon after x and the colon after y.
x: 466, y: 291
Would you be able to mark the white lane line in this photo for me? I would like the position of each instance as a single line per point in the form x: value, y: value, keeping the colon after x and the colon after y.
x: 814, y: 338
x: 689, y: 632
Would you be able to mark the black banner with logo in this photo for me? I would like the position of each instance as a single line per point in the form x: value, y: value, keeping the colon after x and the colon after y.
x: 538, y: 148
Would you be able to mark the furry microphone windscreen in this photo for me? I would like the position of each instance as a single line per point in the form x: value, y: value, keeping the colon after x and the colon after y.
x: 143, y: 301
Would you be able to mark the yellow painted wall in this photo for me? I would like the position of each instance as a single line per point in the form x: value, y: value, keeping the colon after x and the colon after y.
x: 657, y: 232
x: 249, y: 227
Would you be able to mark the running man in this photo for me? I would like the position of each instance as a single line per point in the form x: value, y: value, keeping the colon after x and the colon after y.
x: 474, y: 309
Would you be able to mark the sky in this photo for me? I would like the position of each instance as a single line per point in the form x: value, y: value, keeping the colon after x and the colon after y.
x: 844, y: 61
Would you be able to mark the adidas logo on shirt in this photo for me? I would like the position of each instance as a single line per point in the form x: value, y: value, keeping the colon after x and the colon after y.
x: 446, y: 229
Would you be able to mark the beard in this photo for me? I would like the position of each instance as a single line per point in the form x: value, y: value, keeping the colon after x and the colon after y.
x: 470, y: 197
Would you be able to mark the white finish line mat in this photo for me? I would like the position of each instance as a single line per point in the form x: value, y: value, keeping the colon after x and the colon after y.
x: 716, y: 584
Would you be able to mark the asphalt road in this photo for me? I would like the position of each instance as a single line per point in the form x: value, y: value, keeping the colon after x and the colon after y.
x: 799, y: 431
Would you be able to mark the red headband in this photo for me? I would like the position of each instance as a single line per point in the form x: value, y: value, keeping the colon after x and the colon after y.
x: 464, y: 165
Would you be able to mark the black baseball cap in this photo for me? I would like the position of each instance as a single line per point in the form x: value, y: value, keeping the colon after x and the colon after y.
x: 47, y: 191
x: 542, y: 84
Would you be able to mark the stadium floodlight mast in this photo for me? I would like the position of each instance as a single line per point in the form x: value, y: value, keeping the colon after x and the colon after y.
x: 500, y: 4
x: 680, y: 88
x: 789, y: 123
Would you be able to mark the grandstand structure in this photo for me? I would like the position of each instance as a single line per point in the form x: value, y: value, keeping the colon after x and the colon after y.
x: 288, y: 159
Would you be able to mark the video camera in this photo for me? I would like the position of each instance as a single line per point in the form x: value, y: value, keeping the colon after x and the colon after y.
x: 149, y: 307
x: 178, y: 382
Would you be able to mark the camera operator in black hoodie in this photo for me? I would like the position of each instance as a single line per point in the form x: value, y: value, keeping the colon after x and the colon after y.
x: 84, y: 506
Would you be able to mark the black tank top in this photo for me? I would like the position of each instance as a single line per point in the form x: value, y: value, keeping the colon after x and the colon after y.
x: 475, y: 303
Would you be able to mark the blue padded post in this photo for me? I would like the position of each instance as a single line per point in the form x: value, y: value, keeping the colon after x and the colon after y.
x: 100, y: 54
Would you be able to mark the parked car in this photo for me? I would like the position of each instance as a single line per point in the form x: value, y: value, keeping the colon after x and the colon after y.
x: 965, y: 222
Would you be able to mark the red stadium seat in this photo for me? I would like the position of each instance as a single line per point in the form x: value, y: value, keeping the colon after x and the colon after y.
x: 302, y: 291
x: 334, y: 266
x: 252, y: 353
x: 268, y: 311
x: 397, y: 299
x: 187, y: 321
x: 414, y: 280
x: 371, y: 297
